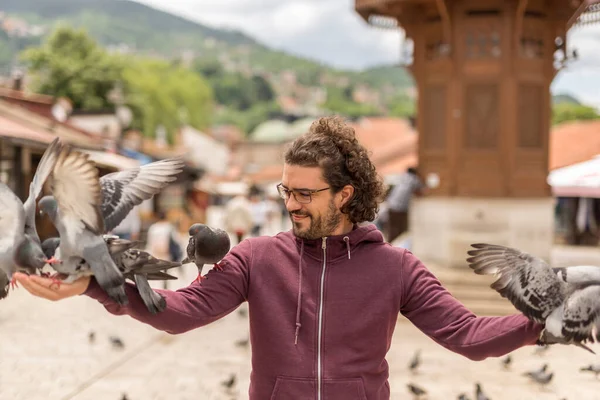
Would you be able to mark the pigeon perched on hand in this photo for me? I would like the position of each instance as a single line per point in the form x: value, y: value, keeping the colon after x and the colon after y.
x: 566, y: 300
x: 136, y: 265
x: 20, y: 245
x: 206, y: 246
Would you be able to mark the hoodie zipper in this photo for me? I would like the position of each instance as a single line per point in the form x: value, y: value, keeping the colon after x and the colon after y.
x: 320, y: 337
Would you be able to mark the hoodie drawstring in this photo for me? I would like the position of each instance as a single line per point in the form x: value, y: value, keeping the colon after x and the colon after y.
x: 347, y: 240
x: 298, y: 324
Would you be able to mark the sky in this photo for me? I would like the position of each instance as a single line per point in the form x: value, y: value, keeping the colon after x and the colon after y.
x: 330, y: 31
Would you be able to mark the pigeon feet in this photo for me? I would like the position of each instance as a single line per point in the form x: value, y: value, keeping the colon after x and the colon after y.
x: 13, y: 284
x: 199, y: 278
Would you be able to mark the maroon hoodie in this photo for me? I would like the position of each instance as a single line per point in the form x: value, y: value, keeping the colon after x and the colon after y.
x: 322, y: 313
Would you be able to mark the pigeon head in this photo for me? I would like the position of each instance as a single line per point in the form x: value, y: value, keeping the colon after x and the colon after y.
x: 49, y: 246
x: 49, y: 206
x: 29, y: 255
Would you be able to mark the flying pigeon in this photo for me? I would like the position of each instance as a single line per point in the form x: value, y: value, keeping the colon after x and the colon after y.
x: 206, y: 246
x: 20, y: 246
x: 76, y: 214
x: 119, y: 193
x: 566, y: 300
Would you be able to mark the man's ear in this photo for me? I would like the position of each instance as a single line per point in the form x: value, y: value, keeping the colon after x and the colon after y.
x: 346, y: 194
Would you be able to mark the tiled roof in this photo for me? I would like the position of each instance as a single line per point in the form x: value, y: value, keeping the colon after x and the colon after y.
x: 574, y: 142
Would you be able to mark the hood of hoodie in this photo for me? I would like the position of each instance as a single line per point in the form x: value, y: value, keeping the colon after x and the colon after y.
x: 339, y: 246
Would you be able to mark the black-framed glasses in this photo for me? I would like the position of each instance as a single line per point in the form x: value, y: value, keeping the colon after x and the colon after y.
x: 302, y: 196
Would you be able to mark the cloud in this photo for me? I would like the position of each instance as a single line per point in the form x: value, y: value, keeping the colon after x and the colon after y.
x: 329, y: 31
x: 332, y: 32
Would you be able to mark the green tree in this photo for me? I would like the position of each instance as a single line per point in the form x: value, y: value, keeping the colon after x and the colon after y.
x: 564, y: 112
x: 71, y: 64
x: 160, y: 93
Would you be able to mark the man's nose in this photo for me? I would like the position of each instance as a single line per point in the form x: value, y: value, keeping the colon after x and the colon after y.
x: 292, y: 205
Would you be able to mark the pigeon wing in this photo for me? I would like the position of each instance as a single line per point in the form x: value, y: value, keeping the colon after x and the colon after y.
x: 12, y: 218
x: 581, y: 314
x: 43, y: 171
x: 123, y: 190
x: 526, y: 281
x: 76, y: 188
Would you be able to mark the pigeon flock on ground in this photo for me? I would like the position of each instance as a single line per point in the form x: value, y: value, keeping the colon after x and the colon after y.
x: 541, y: 376
x: 84, y: 208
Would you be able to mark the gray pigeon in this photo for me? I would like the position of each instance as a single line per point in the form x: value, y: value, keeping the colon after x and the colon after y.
x: 136, y: 265
x: 566, y: 300
x: 119, y: 193
x: 541, y: 377
x: 206, y: 246
x: 594, y: 368
x: 75, y: 212
x: 479, y: 395
x: 20, y: 246
x: 123, y: 190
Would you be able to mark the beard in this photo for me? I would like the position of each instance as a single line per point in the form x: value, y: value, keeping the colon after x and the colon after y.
x: 320, y: 226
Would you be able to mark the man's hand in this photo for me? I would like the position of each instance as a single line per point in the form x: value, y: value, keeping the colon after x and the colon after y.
x: 50, y: 289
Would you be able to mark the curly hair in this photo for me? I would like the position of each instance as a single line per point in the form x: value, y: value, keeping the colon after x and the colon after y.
x: 332, y: 145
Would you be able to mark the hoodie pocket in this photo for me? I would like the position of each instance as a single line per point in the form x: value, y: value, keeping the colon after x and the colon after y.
x: 288, y: 388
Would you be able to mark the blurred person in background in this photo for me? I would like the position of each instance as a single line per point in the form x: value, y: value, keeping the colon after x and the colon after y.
x: 398, y: 203
x: 238, y: 217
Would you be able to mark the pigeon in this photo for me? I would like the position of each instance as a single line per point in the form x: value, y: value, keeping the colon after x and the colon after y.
x: 20, y: 245
x: 416, y: 390
x: 136, y: 265
x: 123, y: 190
x: 595, y: 368
x: 506, y: 361
x: 229, y: 382
x: 75, y: 212
x: 115, y: 195
x: 564, y: 299
x: 479, y: 395
x: 462, y: 396
x: 415, y: 362
x: 242, y: 342
x: 92, y: 337
x: 540, y: 377
x: 206, y: 246
x: 141, y: 266
x: 116, y: 342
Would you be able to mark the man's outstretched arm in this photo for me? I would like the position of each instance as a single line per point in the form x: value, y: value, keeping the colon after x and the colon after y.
x: 428, y: 305
x: 188, y: 308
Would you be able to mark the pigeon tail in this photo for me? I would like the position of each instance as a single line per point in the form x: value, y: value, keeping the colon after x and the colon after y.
x: 154, y: 301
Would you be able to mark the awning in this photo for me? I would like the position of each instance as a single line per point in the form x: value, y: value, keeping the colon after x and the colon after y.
x: 112, y: 160
x: 13, y: 130
x: 577, y: 180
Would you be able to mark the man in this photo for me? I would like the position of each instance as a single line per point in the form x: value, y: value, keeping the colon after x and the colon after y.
x: 398, y: 202
x: 324, y: 298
